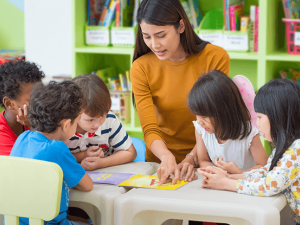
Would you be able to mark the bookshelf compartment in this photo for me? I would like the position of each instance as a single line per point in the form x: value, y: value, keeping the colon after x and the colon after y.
x: 272, y: 68
x: 246, y: 68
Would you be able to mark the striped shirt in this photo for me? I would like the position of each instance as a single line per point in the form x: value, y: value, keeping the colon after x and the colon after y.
x: 110, y: 136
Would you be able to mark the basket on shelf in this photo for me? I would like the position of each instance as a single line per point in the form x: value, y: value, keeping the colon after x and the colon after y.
x: 292, y: 31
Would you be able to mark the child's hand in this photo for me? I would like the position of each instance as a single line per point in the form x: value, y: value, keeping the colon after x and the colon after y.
x: 91, y: 163
x: 22, y: 117
x: 208, y: 170
x: 231, y: 167
x: 94, y: 151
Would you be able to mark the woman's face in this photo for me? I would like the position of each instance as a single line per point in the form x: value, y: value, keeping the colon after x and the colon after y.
x: 263, y: 125
x: 164, y: 41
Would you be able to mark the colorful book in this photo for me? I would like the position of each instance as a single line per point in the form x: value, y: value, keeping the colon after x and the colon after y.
x: 148, y: 181
x: 256, y: 29
x: 95, y: 8
x: 236, y: 12
x: 110, y: 13
x: 123, y: 82
x: 198, y: 14
x: 225, y: 2
x: 252, y: 26
x: 128, y: 80
x: 104, y: 12
x: 244, y: 23
x: 118, y: 13
x: 114, y: 83
x: 291, y: 9
x: 229, y: 3
x: 109, y: 178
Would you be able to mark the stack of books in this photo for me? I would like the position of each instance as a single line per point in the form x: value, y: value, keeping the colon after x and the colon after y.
x: 291, y: 9
x: 107, y: 12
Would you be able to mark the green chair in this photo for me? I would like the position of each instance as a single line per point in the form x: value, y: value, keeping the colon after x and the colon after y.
x: 29, y: 188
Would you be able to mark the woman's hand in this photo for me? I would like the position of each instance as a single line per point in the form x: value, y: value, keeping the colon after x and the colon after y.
x: 167, y: 167
x: 188, y: 169
x: 231, y: 167
x: 22, y: 117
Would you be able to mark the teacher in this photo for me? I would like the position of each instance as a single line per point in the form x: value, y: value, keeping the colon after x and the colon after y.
x: 168, y: 59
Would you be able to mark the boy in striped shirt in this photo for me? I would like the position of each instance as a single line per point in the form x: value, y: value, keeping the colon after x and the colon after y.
x: 100, y: 140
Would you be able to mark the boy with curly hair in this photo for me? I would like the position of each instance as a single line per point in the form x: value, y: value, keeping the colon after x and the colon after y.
x: 16, y: 82
x: 100, y: 140
x: 54, y: 112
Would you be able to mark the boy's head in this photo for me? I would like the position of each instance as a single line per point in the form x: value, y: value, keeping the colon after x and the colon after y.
x: 16, y: 82
x: 98, y: 102
x: 55, y: 105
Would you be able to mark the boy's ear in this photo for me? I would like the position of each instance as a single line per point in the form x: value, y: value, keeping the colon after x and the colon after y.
x: 65, y: 124
x: 8, y: 103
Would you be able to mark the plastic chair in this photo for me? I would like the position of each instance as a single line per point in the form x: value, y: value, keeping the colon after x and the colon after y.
x: 29, y: 188
x: 140, y: 147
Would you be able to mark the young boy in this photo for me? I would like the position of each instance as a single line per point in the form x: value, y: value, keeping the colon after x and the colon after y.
x: 54, y: 112
x: 100, y: 140
x: 16, y: 82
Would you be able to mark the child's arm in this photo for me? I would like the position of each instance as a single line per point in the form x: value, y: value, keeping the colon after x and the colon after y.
x: 93, y: 151
x: 85, y: 184
x: 120, y: 157
x: 258, y: 152
x: 203, y: 157
x: 282, y: 176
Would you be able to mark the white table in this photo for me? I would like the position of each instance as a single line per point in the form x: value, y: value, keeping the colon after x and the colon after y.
x: 99, y: 203
x: 191, y: 202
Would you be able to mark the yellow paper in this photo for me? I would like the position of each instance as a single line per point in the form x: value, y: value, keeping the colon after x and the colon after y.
x: 148, y: 181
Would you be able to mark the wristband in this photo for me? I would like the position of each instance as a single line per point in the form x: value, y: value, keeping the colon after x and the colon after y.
x: 194, y: 158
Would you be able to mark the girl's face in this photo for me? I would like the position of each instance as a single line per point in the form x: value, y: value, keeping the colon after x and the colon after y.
x: 90, y: 124
x: 263, y: 125
x: 205, y: 122
x: 164, y: 41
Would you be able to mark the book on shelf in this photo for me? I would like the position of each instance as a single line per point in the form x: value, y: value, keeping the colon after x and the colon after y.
x: 123, y: 82
x: 256, y: 29
x: 291, y: 9
x: 110, y: 13
x: 104, y: 12
x: 95, y: 8
x: 114, y: 83
x: 245, y: 23
x: 236, y: 12
x: 148, y: 181
x: 227, y: 4
x: 252, y: 27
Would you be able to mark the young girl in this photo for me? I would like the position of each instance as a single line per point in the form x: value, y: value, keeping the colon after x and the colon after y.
x: 224, y: 134
x: 277, y: 105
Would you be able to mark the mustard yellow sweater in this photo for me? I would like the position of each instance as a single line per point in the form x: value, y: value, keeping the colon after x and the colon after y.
x: 161, y: 89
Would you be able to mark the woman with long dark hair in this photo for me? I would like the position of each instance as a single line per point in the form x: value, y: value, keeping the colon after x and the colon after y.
x: 168, y: 59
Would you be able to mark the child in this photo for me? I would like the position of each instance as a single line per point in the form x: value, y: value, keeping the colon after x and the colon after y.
x: 100, y: 140
x: 224, y: 134
x: 277, y: 105
x: 16, y: 82
x: 54, y: 112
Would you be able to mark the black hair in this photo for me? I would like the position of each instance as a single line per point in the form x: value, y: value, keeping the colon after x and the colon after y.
x: 14, y: 74
x: 279, y: 100
x: 216, y: 96
x: 163, y: 13
x: 95, y: 93
x: 51, y: 104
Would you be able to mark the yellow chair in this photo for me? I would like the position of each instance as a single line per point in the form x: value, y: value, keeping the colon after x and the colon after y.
x: 29, y: 188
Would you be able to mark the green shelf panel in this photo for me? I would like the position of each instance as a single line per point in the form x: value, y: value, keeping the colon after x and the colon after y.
x: 282, y: 55
x: 243, y: 55
x: 105, y: 50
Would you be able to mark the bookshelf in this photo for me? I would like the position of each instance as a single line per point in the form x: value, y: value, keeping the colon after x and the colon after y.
x: 259, y: 67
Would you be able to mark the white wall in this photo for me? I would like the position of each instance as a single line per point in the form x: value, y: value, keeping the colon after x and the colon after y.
x: 48, y: 35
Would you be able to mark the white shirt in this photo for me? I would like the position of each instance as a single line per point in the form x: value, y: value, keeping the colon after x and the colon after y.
x: 110, y: 136
x: 237, y: 151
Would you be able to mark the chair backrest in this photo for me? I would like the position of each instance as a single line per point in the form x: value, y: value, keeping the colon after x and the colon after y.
x: 29, y: 188
x: 140, y: 147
